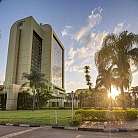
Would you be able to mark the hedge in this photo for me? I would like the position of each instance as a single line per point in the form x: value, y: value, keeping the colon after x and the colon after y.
x: 105, y: 115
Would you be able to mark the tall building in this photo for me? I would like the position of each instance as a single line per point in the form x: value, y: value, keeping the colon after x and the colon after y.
x: 33, y: 46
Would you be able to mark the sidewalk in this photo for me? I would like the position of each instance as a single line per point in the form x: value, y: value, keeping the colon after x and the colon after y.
x: 114, y: 126
x: 132, y: 124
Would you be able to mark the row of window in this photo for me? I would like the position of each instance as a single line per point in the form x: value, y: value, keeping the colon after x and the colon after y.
x: 36, y: 53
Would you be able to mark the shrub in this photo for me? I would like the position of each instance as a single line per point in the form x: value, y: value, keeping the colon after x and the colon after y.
x: 105, y: 115
x: 131, y: 114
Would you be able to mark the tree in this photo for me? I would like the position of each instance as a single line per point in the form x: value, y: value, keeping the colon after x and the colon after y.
x: 87, y: 76
x: 104, y: 79
x: 36, y: 84
x: 44, y: 93
x: 135, y: 94
x: 115, y: 51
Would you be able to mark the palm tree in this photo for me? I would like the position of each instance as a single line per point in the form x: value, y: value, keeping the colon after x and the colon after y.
x: 36, y: 80
x: 87, y: 76
x: 104, y: 79
x: 115, y: 51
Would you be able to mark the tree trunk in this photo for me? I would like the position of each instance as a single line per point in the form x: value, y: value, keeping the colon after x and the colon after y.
x: 110, y: 100
x: 135, y: 99
x: 123, y: 96
x: 33, y: 99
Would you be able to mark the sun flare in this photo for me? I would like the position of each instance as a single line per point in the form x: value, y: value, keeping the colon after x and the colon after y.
x: 114, y: 93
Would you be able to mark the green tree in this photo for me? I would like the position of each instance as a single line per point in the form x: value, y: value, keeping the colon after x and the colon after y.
x: 35, y: 84
x: 115, y: 51
x: 43, y: 94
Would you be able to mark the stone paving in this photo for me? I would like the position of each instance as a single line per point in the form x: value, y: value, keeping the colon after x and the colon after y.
x: 110, y: 125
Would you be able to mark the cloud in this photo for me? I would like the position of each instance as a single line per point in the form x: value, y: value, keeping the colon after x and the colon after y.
x: 82, y: 52
x: 85, y: 43
x: 66, y: 31
x: 70, y: 59
x: 120, y: 27
x: 74, y: 85
x: 93, y: 19
x: 71, y: 53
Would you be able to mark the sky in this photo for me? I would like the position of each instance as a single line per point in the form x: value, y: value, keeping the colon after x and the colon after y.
x: 81, y: 25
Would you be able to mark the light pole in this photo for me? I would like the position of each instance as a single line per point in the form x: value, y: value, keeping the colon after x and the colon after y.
x: 72, y: 107
x: 56, y: 94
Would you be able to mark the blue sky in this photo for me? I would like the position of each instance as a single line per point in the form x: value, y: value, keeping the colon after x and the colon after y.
x: 80, y: 24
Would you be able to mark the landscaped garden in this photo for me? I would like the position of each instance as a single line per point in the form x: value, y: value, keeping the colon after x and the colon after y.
x: 105, y: 115
x: 48, y: 117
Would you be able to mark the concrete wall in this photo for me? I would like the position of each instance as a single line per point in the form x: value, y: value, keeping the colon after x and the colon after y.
x: 12, y: 95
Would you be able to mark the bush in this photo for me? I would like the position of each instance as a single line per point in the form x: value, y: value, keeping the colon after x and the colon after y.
x: 105, y: 115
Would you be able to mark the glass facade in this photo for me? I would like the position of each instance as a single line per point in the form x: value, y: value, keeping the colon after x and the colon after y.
x: 57, y: 63
x: 36, y: 53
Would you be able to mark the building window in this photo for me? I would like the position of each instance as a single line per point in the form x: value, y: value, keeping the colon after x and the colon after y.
x: 36, y: 53
x: 57, y: 63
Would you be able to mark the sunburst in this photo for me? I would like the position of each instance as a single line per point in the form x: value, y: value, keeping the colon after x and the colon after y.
x: 114, y: 92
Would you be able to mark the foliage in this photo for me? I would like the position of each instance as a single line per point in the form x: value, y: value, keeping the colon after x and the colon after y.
x: 40, y: 88
x: 105, y: 115
x: 35, y: 79
x: 114, y: 60
x: 127, y: 100
x: 87, y: 76
x: 134, y: 92
x: 93, y: 98
x: 24, y: 100
x: 44, y: 93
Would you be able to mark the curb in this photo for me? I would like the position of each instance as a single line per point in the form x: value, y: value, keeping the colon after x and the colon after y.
x: 109, y: 130
x: 58, y: 127
x: 20, y: 125
x: 91, y: 129
x: 112, y: 130
x: 71, y: 128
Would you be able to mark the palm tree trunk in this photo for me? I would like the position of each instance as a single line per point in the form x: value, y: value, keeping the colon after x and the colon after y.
x: 33, y: 99
x: 110, y: 99
x: 135, y: 99
x: 38, y: 103
x: 123, y: 96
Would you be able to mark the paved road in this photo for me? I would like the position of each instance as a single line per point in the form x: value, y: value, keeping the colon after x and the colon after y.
x: 45, y: 132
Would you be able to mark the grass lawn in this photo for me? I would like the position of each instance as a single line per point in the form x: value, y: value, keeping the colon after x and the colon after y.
x: 36, y: 117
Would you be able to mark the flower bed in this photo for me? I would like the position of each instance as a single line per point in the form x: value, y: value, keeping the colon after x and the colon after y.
x: 105, y: 115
